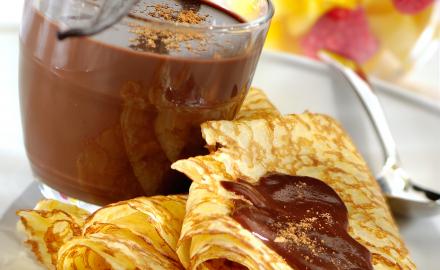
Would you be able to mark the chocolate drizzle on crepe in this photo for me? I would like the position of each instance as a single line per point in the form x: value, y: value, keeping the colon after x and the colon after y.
x: 300, y: 218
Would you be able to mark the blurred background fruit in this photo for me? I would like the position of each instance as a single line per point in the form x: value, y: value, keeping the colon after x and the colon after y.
x: 388, y: 37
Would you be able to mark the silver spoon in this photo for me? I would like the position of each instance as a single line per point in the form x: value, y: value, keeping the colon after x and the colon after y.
x: 404, y: 197
x: 111, y: 12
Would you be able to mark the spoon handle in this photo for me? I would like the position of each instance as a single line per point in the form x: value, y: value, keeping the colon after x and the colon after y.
x: 363, y: 89
x: 393, y: 179
x: 111, y: 12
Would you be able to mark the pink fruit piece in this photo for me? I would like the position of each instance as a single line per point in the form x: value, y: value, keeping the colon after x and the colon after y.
x: 412, y: 6
x: 342, y: 31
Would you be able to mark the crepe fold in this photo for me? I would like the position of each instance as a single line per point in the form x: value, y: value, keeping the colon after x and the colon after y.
x: 141, y: 233
x: 198, y: 232
x: 49, y: 226
x: 307, y: 144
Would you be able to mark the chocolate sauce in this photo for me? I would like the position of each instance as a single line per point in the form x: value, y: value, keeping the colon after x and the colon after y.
x: 300, y: 218
x: 191, y: 4
x: 103, y: 122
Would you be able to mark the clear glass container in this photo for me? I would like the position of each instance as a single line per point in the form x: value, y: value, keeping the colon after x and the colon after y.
x: 104, y: 116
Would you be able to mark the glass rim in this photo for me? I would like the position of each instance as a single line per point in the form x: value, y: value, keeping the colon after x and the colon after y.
x: 236, y: 27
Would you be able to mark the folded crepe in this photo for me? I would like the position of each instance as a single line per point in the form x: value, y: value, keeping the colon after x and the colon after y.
x: 141, y: 233
x: 49, y: 226
x: 261, y: 142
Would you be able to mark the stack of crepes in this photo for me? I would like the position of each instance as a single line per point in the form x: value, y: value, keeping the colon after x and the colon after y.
x: 157, y: 232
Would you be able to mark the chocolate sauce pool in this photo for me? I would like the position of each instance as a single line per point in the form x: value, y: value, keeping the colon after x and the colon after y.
x: 103, y: 120
x: 300, y: 218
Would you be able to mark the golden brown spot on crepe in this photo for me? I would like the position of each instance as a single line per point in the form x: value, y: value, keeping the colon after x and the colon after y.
x: 35, y: 249
x: 48, y: 227
x: 57, y: 234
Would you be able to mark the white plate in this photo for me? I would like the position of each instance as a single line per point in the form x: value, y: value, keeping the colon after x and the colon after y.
x: 294, y: 85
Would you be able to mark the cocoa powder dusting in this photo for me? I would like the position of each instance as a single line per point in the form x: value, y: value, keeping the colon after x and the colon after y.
x: 162, y: 11
x: 170, y: 14
x: 163, y: 41
x: 191, y: 17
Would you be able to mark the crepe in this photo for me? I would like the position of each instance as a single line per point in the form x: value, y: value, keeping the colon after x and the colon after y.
x: 141, y: 233
x: 49, y: 226
x: 256, y: 106
x: 145, y: 154
x: 104, y: 163
x: 307, y: 144
x: 156, y: 233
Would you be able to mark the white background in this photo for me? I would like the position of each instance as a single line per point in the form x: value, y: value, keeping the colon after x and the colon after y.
x: 11, y: 149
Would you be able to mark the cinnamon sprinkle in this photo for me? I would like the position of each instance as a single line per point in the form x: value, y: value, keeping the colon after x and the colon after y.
x: 191, y: 17
x: 293, y: 234
x: 167, y: 13
x: 162, y: 11
x: 148, y: 39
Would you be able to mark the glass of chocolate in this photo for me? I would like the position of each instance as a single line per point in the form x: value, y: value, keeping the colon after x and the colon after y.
x: 105, y: 115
